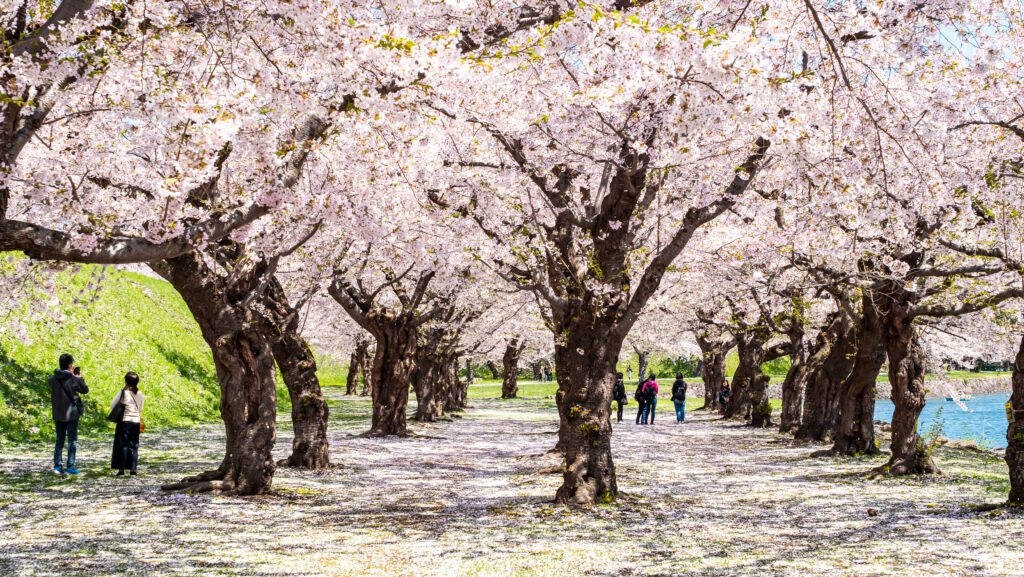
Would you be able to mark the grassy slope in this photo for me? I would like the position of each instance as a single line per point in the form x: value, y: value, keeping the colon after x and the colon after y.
x: 132, y: 322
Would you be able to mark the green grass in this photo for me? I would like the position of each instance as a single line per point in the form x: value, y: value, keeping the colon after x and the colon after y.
x: 112, y: 322
x: 330, y: 372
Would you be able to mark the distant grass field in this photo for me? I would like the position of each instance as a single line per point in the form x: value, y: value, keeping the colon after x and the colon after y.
x: 112, y: 322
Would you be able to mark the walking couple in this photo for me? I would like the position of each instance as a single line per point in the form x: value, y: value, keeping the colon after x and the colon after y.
x: 66, y: 389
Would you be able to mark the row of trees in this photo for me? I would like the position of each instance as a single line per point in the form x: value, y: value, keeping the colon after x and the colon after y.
x: 812, y: 179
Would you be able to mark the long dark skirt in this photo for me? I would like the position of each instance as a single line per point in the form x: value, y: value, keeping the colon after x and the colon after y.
x: 126, y: 447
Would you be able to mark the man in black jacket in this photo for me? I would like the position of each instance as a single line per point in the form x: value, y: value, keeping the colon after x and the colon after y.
x: 679, y: 397
x: 620, y: 395
x: 65, y: 387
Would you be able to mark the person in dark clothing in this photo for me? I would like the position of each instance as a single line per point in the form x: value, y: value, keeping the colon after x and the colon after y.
x: 126, y: 435
x: 679, y: 397
x: 619, y: 395
x: 66, y: 403
x: 724, y: 396
x: 638, y: 396
x: 649, y: 391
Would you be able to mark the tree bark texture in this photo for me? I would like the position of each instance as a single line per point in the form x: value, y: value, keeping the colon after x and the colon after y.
x: 510, y: 368
x: 357, y: 364
x: 585, y: 386
x: 910, y: 455
x: 796, y: 378
x: 436, y: 373
x: 828, y: 366
x: 310, y: 448
x: 245, y: 372
x: 713, y: 353
x: 1015, y: 433
x: 855, y: 433
x: 393, y: 366
x: 459, y: 391
x: 749, y: 383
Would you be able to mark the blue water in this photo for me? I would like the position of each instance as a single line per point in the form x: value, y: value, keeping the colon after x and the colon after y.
x: 985, y: 423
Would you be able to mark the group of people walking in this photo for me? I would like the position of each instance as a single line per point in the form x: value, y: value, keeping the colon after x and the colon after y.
x: 646, y: 395
x: 66, y: 389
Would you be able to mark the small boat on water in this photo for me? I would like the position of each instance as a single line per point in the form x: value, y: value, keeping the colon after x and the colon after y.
x: 961, y: 398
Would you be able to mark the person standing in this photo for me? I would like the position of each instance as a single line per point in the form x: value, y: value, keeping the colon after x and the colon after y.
x: 679, y: 397
x: 620, y: 395
x: 629, y: 372
x: 126, y: 435
x: 641, y: 402
x: 66, y: 403
x: 650, y: 394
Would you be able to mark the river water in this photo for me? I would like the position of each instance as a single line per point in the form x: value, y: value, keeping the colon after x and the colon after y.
x: 984, y: 421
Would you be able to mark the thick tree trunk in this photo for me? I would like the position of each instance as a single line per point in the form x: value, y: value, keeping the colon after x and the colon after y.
x: 366, y: 368
x: 458, y: 392
x: 1015, y: 433
x: 910, y: 455
x: 796, y: 378
x: 432, y: 379
x: 713, y: 353
x: 357, y: 365
x: 510, y: 368
x: 749, y: 383
x: 828, y: 366
x: 469, y: 371
x: 393, y: 366
x: 760, y: 407
x: 310, y: 448
x: 245, y: 371
x: 538, y: 372
x: 855, y: 433
x: 585, y: 387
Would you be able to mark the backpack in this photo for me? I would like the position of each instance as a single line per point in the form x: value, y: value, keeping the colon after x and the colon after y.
x: 650, y: 392
x: 638, y: 396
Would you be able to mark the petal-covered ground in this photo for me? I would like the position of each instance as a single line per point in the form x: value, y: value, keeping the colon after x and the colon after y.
x: 467, y: 498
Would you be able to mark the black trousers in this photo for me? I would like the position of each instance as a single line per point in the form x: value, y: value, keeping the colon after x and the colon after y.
x: 126, y: 447
x: 639, y: 411
x: 620, y: 404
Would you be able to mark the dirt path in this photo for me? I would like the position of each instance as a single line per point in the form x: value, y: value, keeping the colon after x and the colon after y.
x: 706, y: 498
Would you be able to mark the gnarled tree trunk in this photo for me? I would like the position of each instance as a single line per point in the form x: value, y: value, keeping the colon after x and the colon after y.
x: 1015, y: 433
x: 510, y: 368
x: 356, y: 366
x: 458, y: 392
x: 245, y: 371
x: 829, y: 364
x: 432, y: 380
x: 310, y: 448
x: 538, y: 371
x: 749, y: 383
x: 856, y: 431
x: 713, y: 353
x: 796, y: 377
x: 393, y: 366
x: 585, y: 386
x: 367, y: 370
x: 909, y: 455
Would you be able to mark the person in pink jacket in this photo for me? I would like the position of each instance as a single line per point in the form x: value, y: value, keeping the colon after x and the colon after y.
x: 650, y: 394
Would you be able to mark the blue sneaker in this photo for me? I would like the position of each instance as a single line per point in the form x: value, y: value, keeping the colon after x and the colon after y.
x: 72, y: 471
x: 58, y: 470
